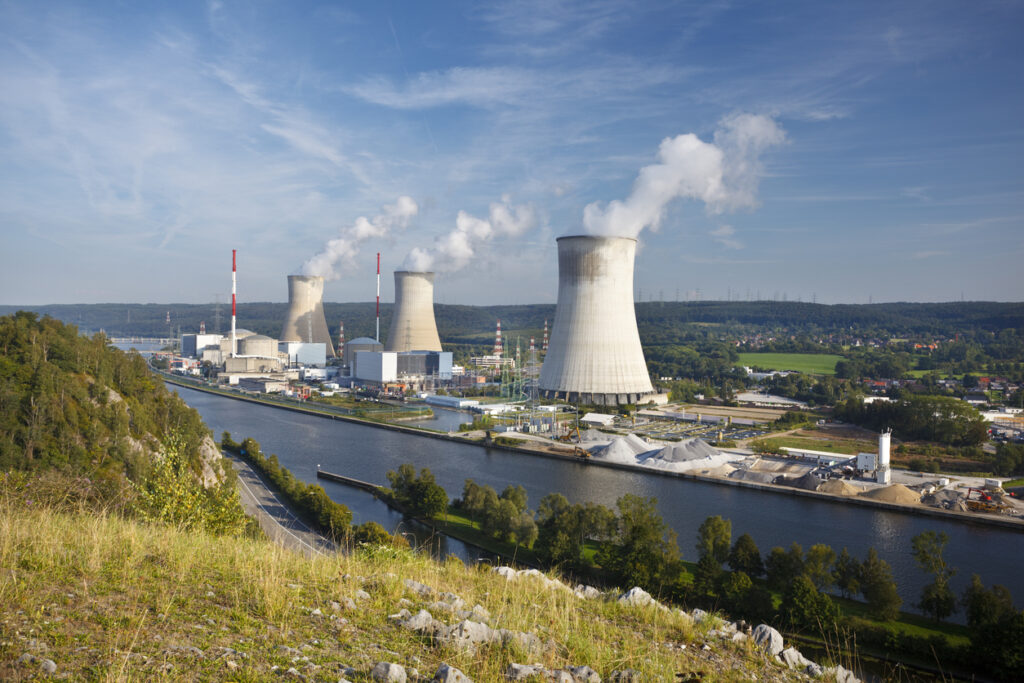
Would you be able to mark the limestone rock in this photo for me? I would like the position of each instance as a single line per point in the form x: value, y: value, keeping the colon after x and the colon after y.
x: 769, y: 639
x: 521, y: 672
x: 792, y: 658
x: 584, y: 674
x: 420, y: 589
x: 586, y: 592
x: 636, y: 596
x: 388, y: 672
x: 624, y: 676
x: 449, y: 674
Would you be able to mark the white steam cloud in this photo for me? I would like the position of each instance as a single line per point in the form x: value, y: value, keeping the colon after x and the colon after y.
x: 454, y: 250
x: 723, y: 174
x: 344, y: 247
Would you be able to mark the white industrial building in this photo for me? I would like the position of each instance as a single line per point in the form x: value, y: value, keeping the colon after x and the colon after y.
x: 305, y: 321
x: 412, y: 323
x: 304, y: 353
x: 353, y: 346
x: 193, y: 345
x: 376, y: 366
x: 594, y: 355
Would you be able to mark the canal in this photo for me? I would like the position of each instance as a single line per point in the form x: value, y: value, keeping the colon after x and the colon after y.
x: 302, y: 442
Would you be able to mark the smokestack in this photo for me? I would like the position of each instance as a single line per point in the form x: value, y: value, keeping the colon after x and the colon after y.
x: 412, y: 322
x: 341, y: 337
x: 234, y: 287
x: 378, y: 297
x: 544, y: 344
x: 305, y: 321
x: 499, y: 348
x: 595, y: 354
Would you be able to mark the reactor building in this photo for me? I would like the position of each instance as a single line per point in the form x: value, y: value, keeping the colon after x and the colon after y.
x: 412, y: 322
x: 594, y: 354
x: 305, y: 321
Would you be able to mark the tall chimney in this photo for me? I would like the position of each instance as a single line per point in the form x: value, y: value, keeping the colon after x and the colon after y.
x: 594, y: 355
x: 305, y: 321
x: 412, y: 322
x: 234, y: 287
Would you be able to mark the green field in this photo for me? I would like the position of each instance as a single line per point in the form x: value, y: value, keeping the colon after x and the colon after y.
x: 810, y: 363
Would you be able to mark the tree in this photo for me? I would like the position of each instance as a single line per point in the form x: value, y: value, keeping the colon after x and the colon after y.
x: 878, y: 588
x: 745, y: 557
x: 847, y: 574
x: 423, y: 496
x: 370, y: 533
x: 516, y: 495
x: 783, y: 566
x: 818, y: 565
x: 937, y: 598
x: 735, y: 589
x: 986, y: 606
x: 713, y: 539
x: 805, y: 607
x: 645, y: 550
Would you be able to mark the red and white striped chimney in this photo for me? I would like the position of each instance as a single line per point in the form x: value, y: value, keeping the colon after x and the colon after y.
x: 497, y: 342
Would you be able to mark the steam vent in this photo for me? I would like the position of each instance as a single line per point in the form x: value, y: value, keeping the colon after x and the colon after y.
x: 594, y: 355
x: 305, y: 320
x: 412, y: 322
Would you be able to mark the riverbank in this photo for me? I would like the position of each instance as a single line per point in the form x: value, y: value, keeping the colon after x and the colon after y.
x: 562, y: 453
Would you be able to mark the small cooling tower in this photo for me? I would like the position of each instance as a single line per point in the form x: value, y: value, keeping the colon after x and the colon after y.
x: 305, y: 321
x: 594, y: 355
x: 412, y: 321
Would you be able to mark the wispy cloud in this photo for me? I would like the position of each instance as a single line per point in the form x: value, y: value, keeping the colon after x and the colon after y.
x: 726, y: 236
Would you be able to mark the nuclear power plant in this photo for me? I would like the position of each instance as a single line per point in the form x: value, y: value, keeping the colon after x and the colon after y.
x: 594, y: 354
x: 305, y: 321
x: 412, y: 322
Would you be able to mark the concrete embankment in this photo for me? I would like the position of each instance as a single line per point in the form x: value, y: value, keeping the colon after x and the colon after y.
x: 552, y: 451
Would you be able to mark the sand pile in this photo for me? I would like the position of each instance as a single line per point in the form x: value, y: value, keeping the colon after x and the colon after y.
x: 780, y: 467
x: 622, y: 449
x: 897, y: 493
x: 808, y: 482
x: 840, y: 487
x: 684, y: 451
x: 750, y: 475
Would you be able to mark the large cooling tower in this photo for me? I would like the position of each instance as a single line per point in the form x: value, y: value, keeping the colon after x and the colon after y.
x: 412, y: 322
x: 594, y: 355
x: 305, y: 320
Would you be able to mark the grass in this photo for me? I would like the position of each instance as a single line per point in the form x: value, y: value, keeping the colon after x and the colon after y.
x: 809, y: 363
x: 838, y: 446
x: 107, y: 598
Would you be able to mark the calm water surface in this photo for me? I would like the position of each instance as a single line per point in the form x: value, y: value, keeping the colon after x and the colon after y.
x: 302, y: 442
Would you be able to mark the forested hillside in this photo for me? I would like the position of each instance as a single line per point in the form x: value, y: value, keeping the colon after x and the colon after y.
x: 73, y: 403
x: 659, y: 322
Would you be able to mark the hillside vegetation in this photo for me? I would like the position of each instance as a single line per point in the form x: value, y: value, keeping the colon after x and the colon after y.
x: 101, y: 597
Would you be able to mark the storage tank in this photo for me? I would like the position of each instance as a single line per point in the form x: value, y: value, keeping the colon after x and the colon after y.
x: 594, y: 353
x: 412, y: 322
x: 305, y: 321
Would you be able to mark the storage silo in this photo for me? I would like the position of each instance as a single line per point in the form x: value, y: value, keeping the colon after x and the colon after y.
x: 412, y: 322
x: 594, y: 354
x: 305, y: 321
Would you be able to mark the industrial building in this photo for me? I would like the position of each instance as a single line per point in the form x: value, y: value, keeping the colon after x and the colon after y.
x: 305, y: 321
x: 304, y: 353
x: 413, y: 327
x: 193, y: 345
x: 413, y: 369
x: 353, y: 346
x: 594, y: 354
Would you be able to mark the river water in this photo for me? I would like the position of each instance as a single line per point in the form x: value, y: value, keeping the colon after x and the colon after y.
x: 302, y: 442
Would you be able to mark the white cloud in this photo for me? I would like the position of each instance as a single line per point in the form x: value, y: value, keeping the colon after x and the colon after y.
x: 725, y: 235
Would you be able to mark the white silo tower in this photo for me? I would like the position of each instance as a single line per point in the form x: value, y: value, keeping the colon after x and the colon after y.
x: 883, y: 474
x: 594, y: 355
x: 412, y: 322
x: 305, y: 321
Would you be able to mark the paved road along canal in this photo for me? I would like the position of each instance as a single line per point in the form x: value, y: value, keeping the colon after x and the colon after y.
x: 301, y: 442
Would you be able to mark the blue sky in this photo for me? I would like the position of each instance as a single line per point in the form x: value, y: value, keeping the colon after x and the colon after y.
x: 141, y: 142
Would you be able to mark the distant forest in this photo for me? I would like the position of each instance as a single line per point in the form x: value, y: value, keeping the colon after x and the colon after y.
x: 659, y: 322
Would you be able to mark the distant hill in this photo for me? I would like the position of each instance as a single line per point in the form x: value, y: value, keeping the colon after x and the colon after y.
x: 659, y: 322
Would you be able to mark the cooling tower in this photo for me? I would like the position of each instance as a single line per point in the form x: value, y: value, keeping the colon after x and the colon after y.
x: 305, y: 320
x: 412, y: 322
x: 594, y: 355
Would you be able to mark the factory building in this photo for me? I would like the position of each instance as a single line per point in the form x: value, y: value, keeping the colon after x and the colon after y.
x: 305, y: 321
x: 412, y: 324
x: 426, y: 364
x: 193, y: 345
x: 594, y: 354
x: 376, y: 366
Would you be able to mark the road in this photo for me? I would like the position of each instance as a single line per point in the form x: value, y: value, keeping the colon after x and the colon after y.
x: 276, y: 519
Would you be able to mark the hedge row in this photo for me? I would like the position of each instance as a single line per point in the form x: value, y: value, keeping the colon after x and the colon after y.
x: 309, y: 500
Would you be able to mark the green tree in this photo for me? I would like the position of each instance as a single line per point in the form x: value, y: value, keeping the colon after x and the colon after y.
x: 516, y: 495
x: 370, y: 533
x: 745, y: 557
x: 783, y: 566
x: 735, y: 589
x: 713, y: 539
x: 847, y: 574
x: 645, y: 552
x: 420, y: 494
x: 937, y: 598
x: 878, y: 588
x: 986, y: 606
x: 806, y: 608
x: 818, y: 565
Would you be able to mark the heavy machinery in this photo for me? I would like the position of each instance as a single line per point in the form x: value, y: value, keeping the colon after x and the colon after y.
x: 981, y: 500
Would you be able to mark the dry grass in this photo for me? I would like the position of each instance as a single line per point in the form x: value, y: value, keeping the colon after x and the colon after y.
x: 110, y: 599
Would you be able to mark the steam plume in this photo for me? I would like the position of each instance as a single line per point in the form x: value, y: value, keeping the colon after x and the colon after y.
x: 723, y: 174
x: 345, y: 246
x: 454, y: 250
